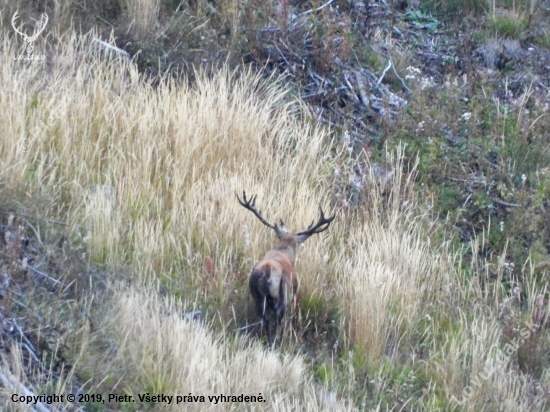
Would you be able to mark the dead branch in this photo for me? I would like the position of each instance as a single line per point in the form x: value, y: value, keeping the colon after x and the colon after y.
x: 11, y: 382
x: 106, y: 46
x: 501, y: 202
x: 39, y: 272
x: 305, y: 13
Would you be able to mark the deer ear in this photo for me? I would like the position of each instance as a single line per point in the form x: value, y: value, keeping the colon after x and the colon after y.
x: 280, y: 229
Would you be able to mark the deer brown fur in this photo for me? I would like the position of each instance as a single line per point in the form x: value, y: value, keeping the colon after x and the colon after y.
x: 273, y: 280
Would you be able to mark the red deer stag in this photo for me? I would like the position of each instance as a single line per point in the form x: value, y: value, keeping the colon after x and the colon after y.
x: 273, y: 281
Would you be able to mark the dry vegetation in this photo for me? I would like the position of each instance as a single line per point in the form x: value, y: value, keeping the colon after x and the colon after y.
x: 124, y: 254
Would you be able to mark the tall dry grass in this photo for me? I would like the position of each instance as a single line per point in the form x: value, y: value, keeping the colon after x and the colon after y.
x: 143, y: 15
x: 20, y: 379
x: 387, y: 265
x: 174, y: 355
x: 146, y: 177
x: 152, y: 173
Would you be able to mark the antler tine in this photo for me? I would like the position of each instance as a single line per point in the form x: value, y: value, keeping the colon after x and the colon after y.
x: 322, y: 224
x: 250, y: 204
x: 13, y: 19
x: 40, y: 26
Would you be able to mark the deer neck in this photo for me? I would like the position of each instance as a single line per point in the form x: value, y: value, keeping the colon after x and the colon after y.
x: 289, y: 250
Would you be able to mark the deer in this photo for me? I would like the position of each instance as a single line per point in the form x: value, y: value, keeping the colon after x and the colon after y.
x: 39, y: 28
x: 273, y: 282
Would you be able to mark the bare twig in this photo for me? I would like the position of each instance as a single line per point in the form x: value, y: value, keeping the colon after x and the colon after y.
x: 500, y: 202
x: 39, y: 272
x: 248, y: 326
x: 315, y: 10
x: 31, y: 351
x: 290, y: 50
x: 27, y: 344
x: 401, y: 80
x: 36, y: 234
x: 57, y: 222
x: 284, y: 58
x: 390, y: 65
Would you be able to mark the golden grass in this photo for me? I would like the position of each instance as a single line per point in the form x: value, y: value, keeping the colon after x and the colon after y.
x: 160, y: 167
x: 174, y: 355
x: 144, y: 16
x: 386, y: 268
x: 147, y: 177
x: 20, y: 379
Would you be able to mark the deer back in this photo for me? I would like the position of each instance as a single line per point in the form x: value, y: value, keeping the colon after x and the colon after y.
x: 277, y: 266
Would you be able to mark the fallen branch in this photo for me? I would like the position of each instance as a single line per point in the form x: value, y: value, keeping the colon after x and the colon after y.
x: 16, y: 386
x: 390, y: 65
x: 39, y: 272
x: 106, y: 46
x: 32, y: 350
x: 500, y: 202
x: 27, y: 344
x: 284, y: 58
x: 401, y: 80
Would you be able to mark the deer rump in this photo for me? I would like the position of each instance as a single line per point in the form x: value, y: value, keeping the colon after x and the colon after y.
x: 272, y: 286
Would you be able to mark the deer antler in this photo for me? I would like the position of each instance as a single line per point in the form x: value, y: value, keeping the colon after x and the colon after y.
x: 13, y: 19
x: 40, y: 26
x: 250, y: 204
x: 322, y: 224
